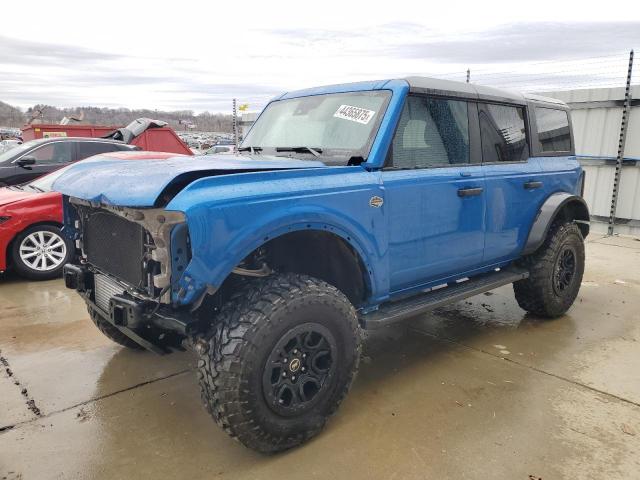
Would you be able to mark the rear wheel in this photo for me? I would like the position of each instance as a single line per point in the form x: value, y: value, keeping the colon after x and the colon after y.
x: 40, y: 252
x: 556, y: 271
x: 279, y: 359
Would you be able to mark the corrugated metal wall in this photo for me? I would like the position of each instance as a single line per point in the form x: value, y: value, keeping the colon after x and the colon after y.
x: 596, y: 115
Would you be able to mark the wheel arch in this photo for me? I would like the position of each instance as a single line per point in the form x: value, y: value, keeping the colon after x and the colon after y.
x: 348, y: 258
x: 327, y: 254
x: 9, y: 249
x: 564, y: 206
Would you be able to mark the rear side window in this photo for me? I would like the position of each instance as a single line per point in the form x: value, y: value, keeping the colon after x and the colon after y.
x: 504, y: 133
x: 87, y: 149
x: 431, y: 132
x: 553, y: 130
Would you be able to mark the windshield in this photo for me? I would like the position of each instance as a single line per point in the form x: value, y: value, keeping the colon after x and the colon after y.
x: 336, y: 126
x: 11, y: 154
x: 45, y: 183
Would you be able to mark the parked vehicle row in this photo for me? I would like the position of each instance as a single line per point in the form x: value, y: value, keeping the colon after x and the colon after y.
x: 6, y: 145
x: 35, y: 158
x: 31, y: 241
x: 31, y: 220
x: 202, y: 141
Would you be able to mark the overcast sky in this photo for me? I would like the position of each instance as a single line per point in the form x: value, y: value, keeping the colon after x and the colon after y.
x: 199, y: 55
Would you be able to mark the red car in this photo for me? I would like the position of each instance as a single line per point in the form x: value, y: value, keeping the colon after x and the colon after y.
x: 30, y: 221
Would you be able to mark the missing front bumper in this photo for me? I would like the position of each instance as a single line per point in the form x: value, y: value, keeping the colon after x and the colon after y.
x: 144, y: 321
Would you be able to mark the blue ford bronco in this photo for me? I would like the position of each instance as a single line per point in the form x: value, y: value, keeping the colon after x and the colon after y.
x: 347, y: 207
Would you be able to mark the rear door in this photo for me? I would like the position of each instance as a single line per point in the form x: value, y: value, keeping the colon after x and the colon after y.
x: 553, y: 147
x: 514, y: 183
x: 433, y: 189
x: 88, y: 148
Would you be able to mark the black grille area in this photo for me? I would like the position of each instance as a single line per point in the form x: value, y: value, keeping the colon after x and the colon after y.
x: 115, y: 245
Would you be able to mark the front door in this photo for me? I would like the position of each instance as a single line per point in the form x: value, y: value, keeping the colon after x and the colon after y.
x: 434, y: 193
x: 49, y: 157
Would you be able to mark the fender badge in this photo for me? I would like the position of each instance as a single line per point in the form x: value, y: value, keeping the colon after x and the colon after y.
x: 376, y: 201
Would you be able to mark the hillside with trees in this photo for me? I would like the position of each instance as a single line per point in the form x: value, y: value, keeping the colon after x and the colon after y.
x: 209, y: 122
x: 11, y: 116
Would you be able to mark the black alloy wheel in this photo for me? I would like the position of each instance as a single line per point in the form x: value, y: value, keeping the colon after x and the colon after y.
x: 564, y: 271
x: 299, y: 366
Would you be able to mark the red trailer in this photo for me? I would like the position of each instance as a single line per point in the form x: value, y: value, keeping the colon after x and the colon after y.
x: 162, y: 139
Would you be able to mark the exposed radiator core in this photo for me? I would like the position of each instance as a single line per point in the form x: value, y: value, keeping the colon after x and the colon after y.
x: 115, y: 245
x: 105, y: 288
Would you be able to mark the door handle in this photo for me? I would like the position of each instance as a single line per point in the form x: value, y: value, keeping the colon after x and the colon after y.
x: 532, y: 185
x: 469, y: 191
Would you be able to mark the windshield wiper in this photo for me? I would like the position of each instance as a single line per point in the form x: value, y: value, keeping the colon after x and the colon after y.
x: 315, y: 151
x: 250, y: 149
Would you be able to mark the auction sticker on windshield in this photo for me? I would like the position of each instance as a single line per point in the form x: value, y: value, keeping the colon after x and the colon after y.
x: 355, y: 114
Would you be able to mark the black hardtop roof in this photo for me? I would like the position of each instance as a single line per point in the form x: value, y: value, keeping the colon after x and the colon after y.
x: 450, y: 88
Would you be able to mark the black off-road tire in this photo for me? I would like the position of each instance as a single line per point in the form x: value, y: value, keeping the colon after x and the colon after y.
x: 245, y: 334
x: 111, y: 332
x: 539, y: 294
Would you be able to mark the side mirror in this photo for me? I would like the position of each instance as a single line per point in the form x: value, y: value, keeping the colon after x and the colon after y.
x: 26, y: 161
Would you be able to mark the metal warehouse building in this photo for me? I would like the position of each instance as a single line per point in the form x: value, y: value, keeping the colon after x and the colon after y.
x: 597, y: 116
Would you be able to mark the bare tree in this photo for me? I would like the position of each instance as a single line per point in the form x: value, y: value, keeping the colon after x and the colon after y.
x: 13, y: 117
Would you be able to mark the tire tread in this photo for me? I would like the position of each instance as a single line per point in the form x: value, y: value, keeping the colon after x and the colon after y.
x: 535, y: 294
x: 235, y: 334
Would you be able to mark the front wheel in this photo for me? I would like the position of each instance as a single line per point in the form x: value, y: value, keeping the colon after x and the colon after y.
x: 280, y: 358
x: 555, y: 273
x: 40, y: 252
x: 111, y: 332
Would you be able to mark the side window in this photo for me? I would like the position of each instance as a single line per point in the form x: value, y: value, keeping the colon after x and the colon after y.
x: 553, y: 130
x: 57, y: 152
x: 431, y: 132
x: 503, y: 132
x: 87, y: 149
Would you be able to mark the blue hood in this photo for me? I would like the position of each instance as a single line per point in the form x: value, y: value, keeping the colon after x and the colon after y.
x: 117, y: 180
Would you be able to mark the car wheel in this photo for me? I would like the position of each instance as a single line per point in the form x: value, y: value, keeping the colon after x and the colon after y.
x: 40, y: 252
x: 555, y: 273
x: 278, y: 361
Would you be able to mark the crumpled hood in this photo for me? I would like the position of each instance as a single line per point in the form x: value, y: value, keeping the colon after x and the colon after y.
x: 125, y: 180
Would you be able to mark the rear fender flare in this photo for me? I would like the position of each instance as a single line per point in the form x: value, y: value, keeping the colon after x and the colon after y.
x: 547, y: 214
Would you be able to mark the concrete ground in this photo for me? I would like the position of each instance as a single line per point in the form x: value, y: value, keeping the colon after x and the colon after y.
x: 478, y: 390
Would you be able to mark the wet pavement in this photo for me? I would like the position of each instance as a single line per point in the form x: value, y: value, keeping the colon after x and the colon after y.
x: 477, y: 390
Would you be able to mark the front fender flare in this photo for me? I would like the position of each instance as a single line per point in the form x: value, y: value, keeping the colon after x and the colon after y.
x: 549, y: 212
x: 203, y: 274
